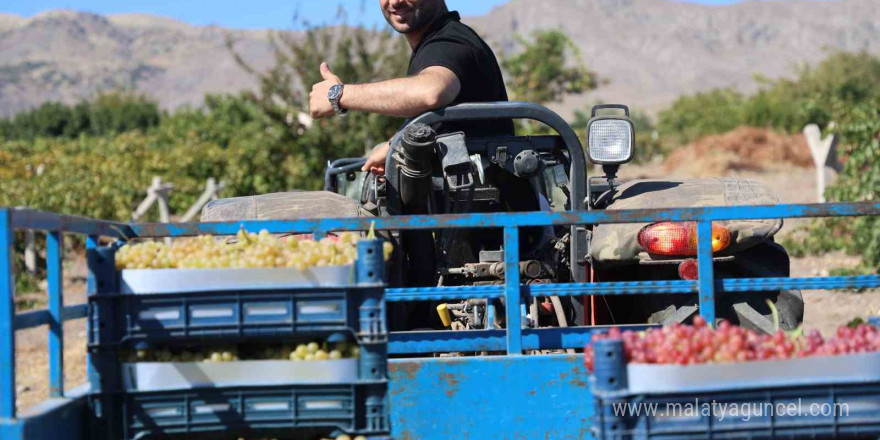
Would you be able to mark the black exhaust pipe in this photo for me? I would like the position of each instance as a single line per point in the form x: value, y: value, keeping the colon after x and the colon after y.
x: 415, y: 159
x: 414, y: 156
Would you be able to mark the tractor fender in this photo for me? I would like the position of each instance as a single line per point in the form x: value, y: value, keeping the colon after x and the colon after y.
x: 615, y: 244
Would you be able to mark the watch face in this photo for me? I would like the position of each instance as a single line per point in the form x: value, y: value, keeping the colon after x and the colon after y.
x: 335, y: 91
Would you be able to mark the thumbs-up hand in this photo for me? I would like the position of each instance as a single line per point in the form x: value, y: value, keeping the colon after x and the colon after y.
x: 328, y: 75
x: 319, y: 103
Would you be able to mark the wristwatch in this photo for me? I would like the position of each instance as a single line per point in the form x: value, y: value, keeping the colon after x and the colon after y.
x: 334, y: 95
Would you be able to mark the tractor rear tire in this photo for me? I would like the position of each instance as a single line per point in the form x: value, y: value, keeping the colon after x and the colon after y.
x: 746, y: 309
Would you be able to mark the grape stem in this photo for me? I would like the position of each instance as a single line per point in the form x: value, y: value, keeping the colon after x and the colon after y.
x: 244, y: 235
x: 793, y: 335
x: 775, y: 314
x: 372, y: 234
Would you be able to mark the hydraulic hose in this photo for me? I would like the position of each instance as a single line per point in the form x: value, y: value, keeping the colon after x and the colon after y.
x: 560, y: 316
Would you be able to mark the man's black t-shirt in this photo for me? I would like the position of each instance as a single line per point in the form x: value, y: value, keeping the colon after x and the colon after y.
x: 455, y: 46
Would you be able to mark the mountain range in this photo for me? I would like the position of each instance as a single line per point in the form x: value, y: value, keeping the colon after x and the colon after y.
x: 648, y: 52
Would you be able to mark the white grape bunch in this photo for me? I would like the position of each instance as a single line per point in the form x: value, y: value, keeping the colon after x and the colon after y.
x: 250, y: 250
x: 312, y: 351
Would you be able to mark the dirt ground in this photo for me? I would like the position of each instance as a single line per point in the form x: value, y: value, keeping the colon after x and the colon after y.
x: 824, y: 310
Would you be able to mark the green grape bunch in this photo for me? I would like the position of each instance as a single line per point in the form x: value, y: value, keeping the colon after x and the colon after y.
x: 311, y: 351
x: 249, y: 250
x: 316, y: 352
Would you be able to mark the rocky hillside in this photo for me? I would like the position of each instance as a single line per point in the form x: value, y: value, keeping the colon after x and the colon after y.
x: 650, y: 51
x: 66, y: 56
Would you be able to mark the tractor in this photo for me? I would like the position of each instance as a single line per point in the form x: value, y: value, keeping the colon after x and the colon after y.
x: 452, y: 173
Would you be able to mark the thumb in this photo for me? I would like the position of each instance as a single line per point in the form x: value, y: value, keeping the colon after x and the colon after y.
x: 326, y: 73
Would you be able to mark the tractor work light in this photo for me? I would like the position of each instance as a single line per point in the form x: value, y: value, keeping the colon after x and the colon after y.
x: 610, y: 138
x: 679, y: 239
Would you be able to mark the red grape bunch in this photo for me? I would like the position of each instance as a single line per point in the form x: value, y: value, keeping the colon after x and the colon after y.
x: 700, y: 344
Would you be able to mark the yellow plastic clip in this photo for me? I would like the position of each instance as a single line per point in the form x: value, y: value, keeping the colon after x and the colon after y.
x: 444, y: 315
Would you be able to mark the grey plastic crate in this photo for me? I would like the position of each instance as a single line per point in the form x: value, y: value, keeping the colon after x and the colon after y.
x: 697, y: 401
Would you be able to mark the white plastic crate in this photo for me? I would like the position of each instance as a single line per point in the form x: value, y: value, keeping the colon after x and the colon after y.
x: 161, y: 376
x: 650, y: 378
x: 151, y: 281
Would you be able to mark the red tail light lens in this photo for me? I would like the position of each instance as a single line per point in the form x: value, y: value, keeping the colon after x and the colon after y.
x: 689, y: 270
x: 679, y: 239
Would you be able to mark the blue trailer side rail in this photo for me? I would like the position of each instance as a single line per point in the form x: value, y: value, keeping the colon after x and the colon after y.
x: 511, y: 222
x: 422, y: 387
x: 64, y: 413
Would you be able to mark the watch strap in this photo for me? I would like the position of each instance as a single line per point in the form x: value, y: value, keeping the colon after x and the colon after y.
x: 335, y: 102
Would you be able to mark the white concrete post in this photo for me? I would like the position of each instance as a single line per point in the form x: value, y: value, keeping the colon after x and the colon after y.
x: 212, y: 189
x: 156, y: 193
x: 819, y: 149
x: 30, y: 251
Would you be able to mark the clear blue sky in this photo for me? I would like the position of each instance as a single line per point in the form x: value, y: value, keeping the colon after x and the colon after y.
x: 247, y: 14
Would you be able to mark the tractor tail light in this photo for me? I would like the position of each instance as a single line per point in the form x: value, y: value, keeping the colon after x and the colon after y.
x: 688, y: 269
x: 679, y: 239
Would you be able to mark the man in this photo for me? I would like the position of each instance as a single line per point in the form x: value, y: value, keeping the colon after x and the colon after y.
x: 450, y: 64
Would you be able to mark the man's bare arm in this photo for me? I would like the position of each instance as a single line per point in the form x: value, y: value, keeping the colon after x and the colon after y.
x: 433, y: 88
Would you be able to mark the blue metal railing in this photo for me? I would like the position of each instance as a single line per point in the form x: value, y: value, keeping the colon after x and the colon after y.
x: 514, y: 339
x: 56, y: 226
x: 510, y: 222
x: 7, y: 319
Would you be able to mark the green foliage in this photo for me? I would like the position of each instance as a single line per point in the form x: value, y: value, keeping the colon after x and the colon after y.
x: 546, y: 69
x: 50, y: 119
x: 859, y: 128
x: 785, y: 104
x: 99, y: 177
x: 222, y: 120
x: 106, y: 177
x: 119, y: 112
x: 107, y: 114
x: 818, y: 238
x: 355, y: 55
x: 694, y: 116
x: 25, y: 282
